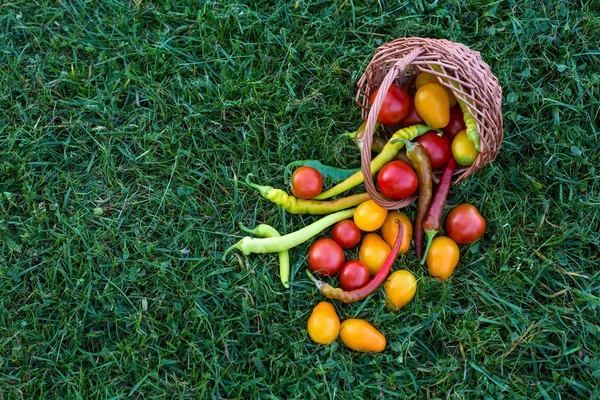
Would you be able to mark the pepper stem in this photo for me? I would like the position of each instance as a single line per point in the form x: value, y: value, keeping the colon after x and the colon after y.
x: 238, y: 246
x: 320, y: 284
x: 430, y: 234
x: 247, y: 230
x: 262, y: 189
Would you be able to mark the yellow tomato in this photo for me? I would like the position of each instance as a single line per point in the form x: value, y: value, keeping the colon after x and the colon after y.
x: 373, y: 252
x: 442, y: 257
x: 389, y: 230
x: 463, y: 149
x: 369, y: 216
x: 360, y: 335
x: 323, y: 324
x: 433, y: 105
x: 400, y: 288
x: 425, y: 77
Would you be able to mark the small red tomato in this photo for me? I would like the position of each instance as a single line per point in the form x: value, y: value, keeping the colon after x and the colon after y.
x: 307, y: 182
x: 464, y: 224
x: 456, y: 124
x: 354, y: 275
x: 326, y: 257
x: 394, y: 107
x: 439, y: 149
x: 397, y: 180
x: 346, y: 234
x: 412, y: 117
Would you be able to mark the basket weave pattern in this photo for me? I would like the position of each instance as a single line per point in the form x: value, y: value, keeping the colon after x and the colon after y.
x: 401, y: 60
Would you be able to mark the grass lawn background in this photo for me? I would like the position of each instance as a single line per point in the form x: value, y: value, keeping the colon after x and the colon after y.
x: 125, y: 125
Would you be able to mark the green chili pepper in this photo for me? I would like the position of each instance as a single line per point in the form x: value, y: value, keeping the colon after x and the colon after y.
x: 267, y: 231
x: 294, y: 205
x: 250, y: 245
x: 334, y: 173
x: 387, y: 154
x: 359, y: 134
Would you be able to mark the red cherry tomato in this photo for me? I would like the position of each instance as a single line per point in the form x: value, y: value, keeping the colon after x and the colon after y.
x: 464, y: 224
x: 346, y: 234
x: 307, y: 182
x: 397, y: 180
x: 439, y: 149
x: 456, y: 124
x: 394, y: 107
x: 326, y: 257
x: 354, y: 275
x: 412, y: 117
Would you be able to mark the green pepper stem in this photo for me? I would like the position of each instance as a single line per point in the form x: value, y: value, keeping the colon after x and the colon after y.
x: 237, y: 245
x: 430, y: 234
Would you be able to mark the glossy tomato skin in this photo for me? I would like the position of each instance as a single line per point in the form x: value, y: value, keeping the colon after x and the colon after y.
x: 397, y: 180
x: 369, y: 216
x: 353, y: 275
x: 439, y: 149
x: 307, y: 182
x: 360, y: 335
x: 323, y: 324
x: 425, y: 77
x: 456, y: 123
x: 412, y: 116
x: 432, y: 103
x: 346, y: 234
x: 389, y: 230
x: 394, y: 107
x: 465, y: 224
x: 400, y: 288
x: 373, y: 251
x: 442, y: 257
x: 326, y: 257
x: 464, y: 149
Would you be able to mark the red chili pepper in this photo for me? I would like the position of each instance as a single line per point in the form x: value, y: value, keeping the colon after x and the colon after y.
x: 433, y: 220
x: 363, y: 292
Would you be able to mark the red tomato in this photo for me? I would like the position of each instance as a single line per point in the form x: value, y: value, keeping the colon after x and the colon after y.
x: 326, y: 257
x: 456, y: 124
x: 307, y: 182
x: 346, y: 234
x: 397, y: 180
x: 439, y: 149
x: 412, y: 117
x: 464, y: 224
x: 394, y: 107
x: 354, y: 275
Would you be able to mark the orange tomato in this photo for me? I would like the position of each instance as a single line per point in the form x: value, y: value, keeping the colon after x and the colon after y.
x: 369, y: 216
x: 389, y: 230
x: 425, y: 77
x: 323, y: 324
x: 373, y: 252
x: 400, y: 288
x: 442, y: 257
x: 360, y: 335
x: 433, y: 105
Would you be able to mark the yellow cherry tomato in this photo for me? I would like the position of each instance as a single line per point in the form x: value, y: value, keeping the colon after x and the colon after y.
x: 323, y: 324
x: 425, y: 77
x: 442, y: 257
x: 400, y: 288
x: 463, y: 149
x: 389, y: 230
x: 433, y: 105
x: 360, y: 335
x: 373, y: 252
x: 369, y: 216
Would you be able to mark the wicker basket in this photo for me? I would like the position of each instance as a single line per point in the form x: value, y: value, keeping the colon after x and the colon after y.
x: 401, y: 60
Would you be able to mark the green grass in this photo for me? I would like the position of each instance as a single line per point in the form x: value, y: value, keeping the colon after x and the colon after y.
x: 124, y: 132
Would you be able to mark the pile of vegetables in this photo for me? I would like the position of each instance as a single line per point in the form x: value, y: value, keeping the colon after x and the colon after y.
x: 436, y: 134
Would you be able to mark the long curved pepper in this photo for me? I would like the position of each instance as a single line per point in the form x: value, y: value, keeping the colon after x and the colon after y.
x: 294, y: 205
x: 267, y: 231
x: 249, y: 245
x: 363, y: 292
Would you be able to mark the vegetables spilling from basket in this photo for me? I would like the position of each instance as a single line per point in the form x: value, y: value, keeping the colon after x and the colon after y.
x: 437, y: 135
